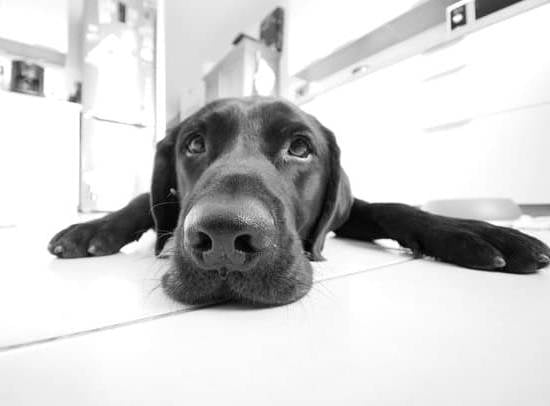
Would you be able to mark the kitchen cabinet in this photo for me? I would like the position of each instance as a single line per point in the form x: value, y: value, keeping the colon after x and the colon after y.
x: 39, y: 158
x: 469, y: 119
x: 498, y: 69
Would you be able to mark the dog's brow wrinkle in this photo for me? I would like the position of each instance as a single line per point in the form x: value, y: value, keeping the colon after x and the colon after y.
x: 251, y: 121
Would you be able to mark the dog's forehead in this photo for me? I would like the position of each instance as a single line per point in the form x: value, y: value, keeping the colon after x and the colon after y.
x: 271, y: 110
x: 258, y: 112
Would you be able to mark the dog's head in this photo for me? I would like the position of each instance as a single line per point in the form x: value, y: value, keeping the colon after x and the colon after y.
x: 250, y: 187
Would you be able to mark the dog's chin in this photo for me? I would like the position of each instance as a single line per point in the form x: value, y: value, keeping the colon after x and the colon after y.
x: 283, y: 281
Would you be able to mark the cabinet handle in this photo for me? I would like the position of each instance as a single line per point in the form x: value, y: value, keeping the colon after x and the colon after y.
x: 448, y: 126
x: 447, y: 72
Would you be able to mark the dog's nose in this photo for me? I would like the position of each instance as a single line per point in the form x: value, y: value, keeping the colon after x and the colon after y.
x: 228, y: 234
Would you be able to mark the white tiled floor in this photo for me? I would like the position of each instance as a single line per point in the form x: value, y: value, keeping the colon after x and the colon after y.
x: 399, y: 332
x: 55, y: 297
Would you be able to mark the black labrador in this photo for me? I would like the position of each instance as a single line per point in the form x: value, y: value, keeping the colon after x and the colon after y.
x: 250, y: 187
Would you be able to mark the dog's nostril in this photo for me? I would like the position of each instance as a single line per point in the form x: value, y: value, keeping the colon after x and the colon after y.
x: 200, y: 241
x: 244, y: 243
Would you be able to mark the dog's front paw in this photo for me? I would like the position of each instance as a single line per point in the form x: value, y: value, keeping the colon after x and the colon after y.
x: 480, y: 245
x: 522, y: 253
x: 94, y: 238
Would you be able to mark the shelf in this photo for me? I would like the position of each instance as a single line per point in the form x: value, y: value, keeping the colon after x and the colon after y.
x: 413, y: 22
x: 35, y: 52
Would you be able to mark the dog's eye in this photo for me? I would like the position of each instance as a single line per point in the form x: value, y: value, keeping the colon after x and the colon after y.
x: 299, y: 148
x: 196, y: 145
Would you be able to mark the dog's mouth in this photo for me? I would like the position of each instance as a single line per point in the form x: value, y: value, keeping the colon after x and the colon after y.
x: 282, y: 277
x: 260, y: 288
x: 237, y: 248
x: 277, y: 277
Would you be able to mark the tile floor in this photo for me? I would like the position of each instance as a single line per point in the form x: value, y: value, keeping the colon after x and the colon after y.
x: 378, y: 328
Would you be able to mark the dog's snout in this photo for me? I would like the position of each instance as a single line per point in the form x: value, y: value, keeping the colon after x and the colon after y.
x: 228, y: 234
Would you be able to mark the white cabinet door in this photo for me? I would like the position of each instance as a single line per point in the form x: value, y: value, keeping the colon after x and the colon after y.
x: 39, y: 160
x: 503, y: 155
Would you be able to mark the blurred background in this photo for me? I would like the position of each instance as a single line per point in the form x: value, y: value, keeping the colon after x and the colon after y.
x: 429, y: 99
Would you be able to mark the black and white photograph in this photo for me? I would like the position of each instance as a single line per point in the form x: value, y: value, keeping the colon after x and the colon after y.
x: 275, y: 202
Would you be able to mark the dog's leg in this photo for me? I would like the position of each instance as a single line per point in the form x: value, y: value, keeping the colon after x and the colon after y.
x: 468, y: 243
x: 106, y: 235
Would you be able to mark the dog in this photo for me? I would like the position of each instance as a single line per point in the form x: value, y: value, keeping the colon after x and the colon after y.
x: 248, y: 188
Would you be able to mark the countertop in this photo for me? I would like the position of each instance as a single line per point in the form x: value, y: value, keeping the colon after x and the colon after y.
x: 18, y: 98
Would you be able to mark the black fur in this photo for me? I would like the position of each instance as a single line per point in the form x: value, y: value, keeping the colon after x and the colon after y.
x: 307, y: 200
x: 337, y: 201
x: 164, y: 202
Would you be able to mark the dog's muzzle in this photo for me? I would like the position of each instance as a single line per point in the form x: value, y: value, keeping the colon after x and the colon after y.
x: 228, y: 234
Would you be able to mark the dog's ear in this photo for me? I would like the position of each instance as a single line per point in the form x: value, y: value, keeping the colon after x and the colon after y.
x: 337, y: 201
x: 164, y: 200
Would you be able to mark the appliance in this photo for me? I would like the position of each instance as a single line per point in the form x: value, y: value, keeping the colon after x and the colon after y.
x: 464, y: 13
x: 27, y: 78
x: 118, y: 102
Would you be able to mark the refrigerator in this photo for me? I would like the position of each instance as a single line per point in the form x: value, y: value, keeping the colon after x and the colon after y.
x: 118, y: 102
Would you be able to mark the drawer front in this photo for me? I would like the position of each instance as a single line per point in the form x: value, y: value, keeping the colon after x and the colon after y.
x: 501, y: 68
x: 504, y: 155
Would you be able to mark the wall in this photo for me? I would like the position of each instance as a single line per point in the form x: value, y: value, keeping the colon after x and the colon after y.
x: 35, y: 22
x: 75, y: 56
x: 200, y: 32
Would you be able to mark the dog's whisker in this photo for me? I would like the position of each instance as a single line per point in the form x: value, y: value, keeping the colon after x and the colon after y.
x: 159, y: 204
x: 155, y: 288
x: 165, y: 234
